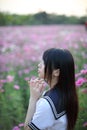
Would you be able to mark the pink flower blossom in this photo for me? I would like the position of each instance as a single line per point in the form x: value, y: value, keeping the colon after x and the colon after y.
x: 77, y: 75
x: 21, y: 125
x: 2, y: 81
x: 84, y: 71
x: 16, y: 128
x: 26, y: 78
x: 26, y: 71
x: 10, y: 78
x: 85, y: 124
x: 2, y: 90
x: 20, y: 73
x: 80, y: 81
x: 84, y: 90
x: 16, y: 87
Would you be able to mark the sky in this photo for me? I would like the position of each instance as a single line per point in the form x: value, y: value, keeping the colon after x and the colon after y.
x: 66, y: 7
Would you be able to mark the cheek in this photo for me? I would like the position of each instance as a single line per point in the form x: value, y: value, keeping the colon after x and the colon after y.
x: 41, y: 74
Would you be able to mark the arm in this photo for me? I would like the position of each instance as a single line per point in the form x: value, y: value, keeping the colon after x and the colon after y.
x: 30, y: 113
x: 36, y: 89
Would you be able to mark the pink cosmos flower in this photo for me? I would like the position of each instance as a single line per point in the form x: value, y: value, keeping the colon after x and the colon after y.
x: 26, y: 71
x: 10, y: 78
x: 20, y: 73
x: 21, y: 125
x: 16, y: 87
x: 77, y: 75
x: 16, y: 128
x: 26, y: 78
x: 2, y: 81
x: 84, y: 71
x: 80, y: 82
x: 2, y: 90
x: 85, y: 124
x: 84, y: 90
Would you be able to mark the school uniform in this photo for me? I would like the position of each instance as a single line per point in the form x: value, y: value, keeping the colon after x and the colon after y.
x: 50, y: 112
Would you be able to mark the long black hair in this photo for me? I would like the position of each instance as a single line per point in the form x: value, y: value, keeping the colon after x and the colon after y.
x: 63, y: 60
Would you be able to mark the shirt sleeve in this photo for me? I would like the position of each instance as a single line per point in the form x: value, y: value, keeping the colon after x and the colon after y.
x: 43, y: 117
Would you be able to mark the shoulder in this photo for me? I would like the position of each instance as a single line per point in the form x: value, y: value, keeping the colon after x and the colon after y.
x: 55, y: 101
x: 43, y: 116
x: 43, y: 104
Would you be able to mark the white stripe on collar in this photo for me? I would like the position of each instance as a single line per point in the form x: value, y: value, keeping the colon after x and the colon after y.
x: 56, y: 115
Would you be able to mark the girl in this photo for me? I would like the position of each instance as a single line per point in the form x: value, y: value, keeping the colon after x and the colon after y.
x: 57, y: 108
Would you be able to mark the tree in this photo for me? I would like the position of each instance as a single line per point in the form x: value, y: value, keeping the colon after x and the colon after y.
x: 2, y: 19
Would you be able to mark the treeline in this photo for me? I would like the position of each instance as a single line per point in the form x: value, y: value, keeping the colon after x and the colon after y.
x: 38, y: 19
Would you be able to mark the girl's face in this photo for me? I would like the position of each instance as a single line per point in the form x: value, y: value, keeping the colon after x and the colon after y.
x: 41, y: 70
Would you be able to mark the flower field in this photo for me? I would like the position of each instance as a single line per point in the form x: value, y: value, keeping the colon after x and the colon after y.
x: 21, y: 48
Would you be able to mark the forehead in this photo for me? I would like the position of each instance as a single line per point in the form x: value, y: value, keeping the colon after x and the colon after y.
x: 40, y: 58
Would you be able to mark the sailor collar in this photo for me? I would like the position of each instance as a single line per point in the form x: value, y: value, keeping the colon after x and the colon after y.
x: 55, y: 101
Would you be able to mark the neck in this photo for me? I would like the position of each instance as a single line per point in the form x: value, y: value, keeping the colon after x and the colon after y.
x: 54, y: 82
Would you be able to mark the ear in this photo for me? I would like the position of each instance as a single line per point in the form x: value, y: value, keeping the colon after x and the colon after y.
x: 56, y: 72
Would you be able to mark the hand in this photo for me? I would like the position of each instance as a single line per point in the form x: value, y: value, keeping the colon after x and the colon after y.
x: 36, y: 88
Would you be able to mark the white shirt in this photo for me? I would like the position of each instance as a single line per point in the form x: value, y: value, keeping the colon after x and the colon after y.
x: 44, y: 119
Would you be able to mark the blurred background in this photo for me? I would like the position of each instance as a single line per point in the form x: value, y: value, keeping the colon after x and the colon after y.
x: 27, y: 29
